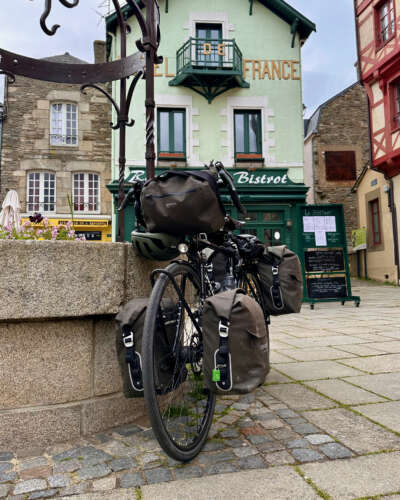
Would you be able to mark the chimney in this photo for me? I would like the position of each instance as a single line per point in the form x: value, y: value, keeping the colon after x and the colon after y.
x: 99, y: 48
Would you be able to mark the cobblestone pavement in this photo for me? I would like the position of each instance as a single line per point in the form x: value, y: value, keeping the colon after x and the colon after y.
x: 333, y: 395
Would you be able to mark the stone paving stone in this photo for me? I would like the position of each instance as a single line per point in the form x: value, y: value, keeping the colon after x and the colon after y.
x: 315, y: 354
x: 354, y: 431
x: 287, y: 413
x: 359, y: 349
x: 131, y: 480
x: 283, y: 434
x: 387, y: 414
x: 127, y: 430
x: 104, y: 484
x: 122, y: 464
x: 42, y: 494
x: 245, y: 451
x: 278, y: 357
x: 150, y: 460
x: 298, y: 443
x: 306, y: 455
x: 384, y: 363
x: 7, y: 477
x: 271, y: 446
x: 188, y: 472
x: 258, y: 439
x: 159, y: 475
x: 75, y: 489
x: 230, y: 433
x: 335, y: 450
x: 251, y: 462
x: 94, y: 471
x: 4, y: 489
x: 67, y: 466
x: 5, y: 466
x: 213, y: 458
x: 35, y: 472
x: 305, y: 428
x: 234, y: 443
x: 275, y: 423
x: 326, y: 341
x: 358, y: 477
x: 314, y: 370
x: 5, y: 456
x: 29, y: 486
x: 318, y: 439
x: 344, y: 393
x: 385, y: 384
x: 213, y: 445
x: 299, y: 397
x: 220, y: 468
x: 294, y: 421
x: 274, y: 377
x: 30, y: 463
x: 388, y: 346
x: 58, y: 481
x: 279, y: 458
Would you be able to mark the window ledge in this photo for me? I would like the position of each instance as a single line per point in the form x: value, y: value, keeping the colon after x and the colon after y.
x: 171, y: 158
x: 249, y: 160
x: 380, y: 45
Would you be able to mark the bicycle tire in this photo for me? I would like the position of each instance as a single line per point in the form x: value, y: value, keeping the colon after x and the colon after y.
x: 181, y: 417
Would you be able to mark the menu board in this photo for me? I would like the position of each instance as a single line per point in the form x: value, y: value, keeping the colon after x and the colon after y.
x: 324, y: 260
x: 327, y: 288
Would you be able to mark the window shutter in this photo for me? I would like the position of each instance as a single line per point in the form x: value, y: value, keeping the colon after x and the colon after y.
x: 340, y: 165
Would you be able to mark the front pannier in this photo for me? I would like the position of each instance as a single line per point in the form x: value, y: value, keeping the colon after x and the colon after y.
x: 281, y: 280
x: 130, y: 322
x: 236, y: 347
x: 182, y: 202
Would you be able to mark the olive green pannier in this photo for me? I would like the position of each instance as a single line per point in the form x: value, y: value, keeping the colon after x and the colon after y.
x: 236, y: 345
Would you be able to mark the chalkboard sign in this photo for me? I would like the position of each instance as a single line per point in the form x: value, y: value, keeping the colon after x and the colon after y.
x: 319, y: 260
x: 326, y: 288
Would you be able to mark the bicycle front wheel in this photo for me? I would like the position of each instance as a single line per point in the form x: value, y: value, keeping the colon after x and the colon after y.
x: 179, y: 405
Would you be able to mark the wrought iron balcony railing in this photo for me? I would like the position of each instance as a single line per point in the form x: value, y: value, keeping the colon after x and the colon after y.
x: 209, y: 67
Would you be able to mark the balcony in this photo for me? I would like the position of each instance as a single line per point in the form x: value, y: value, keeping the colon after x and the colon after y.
x: 209, y: 67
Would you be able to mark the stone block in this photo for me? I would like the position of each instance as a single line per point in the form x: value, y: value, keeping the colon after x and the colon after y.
x: 138, y: 274
x: 385, y: 384
x: 45, y: 362
x: 298, y: 397
x: 345, y: 393
x: 22, y: 429
x: 312, y: 370
x: 387, y: 414
x: 376, y: 364
x: 109, y: 412
x: 107, y: 378
x: 99, y: 289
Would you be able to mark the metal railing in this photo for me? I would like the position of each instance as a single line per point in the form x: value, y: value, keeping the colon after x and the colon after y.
x: 206, y: 54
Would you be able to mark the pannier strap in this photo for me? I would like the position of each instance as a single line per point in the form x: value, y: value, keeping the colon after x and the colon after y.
x: 133, y: 359
x: 276, y: 294
x: 222, y: 358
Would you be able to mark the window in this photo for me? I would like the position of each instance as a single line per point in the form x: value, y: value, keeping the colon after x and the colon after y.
x: 208, y: 46
x: 86, y: 192
x: 375, y: 222
x: 64, y: 124
x: 395, y: 104
x: 340, y: 165
x: 385, y: 21
x: 41, y: 195
x: 248, y: 143
x: 171, y: 134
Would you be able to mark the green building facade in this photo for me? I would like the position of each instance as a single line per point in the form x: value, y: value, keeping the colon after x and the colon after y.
x: 229, y: 89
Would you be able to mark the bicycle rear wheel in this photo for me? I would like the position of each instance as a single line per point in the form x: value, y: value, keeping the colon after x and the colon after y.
x: 179, y: 405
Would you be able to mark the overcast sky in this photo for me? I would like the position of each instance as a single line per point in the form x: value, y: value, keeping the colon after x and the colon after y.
x: 328, y: 56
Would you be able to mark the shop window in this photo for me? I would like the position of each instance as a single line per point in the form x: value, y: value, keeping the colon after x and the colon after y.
x: 340, y: 165
x: 171, y: 134
x: 384, y: 22
x: 86, y: 193
x: 248, y: 137
x: 375, y: 222
x: 41, y: 192
x: 64, y: 124
x: 395, y: 104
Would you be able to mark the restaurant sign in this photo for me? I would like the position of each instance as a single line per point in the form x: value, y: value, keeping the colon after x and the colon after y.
x: 257, y: 178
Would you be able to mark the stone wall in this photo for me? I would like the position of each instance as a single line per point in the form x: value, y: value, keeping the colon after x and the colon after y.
x: 58, y: 370
x: 26, y: 138
x: 343, y: 126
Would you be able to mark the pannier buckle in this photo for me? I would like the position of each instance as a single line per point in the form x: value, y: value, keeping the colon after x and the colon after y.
x: 275, y: 270
x: 128, y: 340
x: 223, y: 329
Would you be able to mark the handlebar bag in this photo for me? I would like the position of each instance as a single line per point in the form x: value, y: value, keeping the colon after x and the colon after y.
x: 281, y: 280
x: 130, y: 322
x: 236, y: 345
x: 182, y: 202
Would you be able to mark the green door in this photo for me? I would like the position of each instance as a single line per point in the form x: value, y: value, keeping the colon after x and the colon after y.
x: 208, y: 37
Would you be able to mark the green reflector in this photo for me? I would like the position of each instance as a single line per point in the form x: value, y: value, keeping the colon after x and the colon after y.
x: 216, y: 375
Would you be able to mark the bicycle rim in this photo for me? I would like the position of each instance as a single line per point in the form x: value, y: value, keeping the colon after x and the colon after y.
x: 179, y: 406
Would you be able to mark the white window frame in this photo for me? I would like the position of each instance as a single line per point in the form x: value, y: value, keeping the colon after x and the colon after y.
x: 54, y: 135
x: 42, y: 200
x: 86, y: 192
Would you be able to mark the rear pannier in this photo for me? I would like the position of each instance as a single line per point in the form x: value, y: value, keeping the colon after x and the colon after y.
x: 281, y: 280
x: 182, y: 202
x: 236, y: 345
x: 130, y: 322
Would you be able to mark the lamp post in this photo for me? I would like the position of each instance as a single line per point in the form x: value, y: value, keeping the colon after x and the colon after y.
x: 90, y: 75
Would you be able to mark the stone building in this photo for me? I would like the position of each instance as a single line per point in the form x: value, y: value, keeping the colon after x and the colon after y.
x: 56, y: 144
x: 336, y: 149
